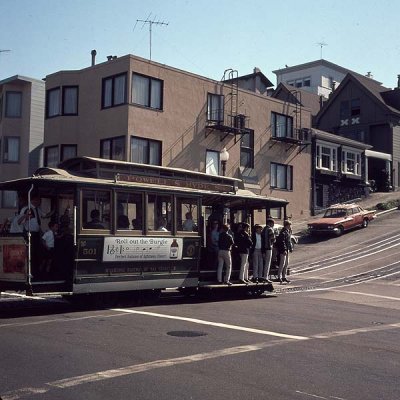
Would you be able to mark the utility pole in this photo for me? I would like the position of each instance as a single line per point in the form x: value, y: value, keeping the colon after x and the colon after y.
x: 151, y: 22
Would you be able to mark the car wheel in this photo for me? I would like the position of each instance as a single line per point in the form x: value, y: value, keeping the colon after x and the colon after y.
x: 364, y: 223
x: 340, y: 231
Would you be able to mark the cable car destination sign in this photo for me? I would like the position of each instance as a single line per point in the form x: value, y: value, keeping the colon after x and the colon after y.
x: 181, y: 183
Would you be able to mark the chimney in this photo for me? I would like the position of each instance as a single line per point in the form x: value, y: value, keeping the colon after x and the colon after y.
x: 398, y: 81
x: 109, y: 58
x: 93, y: 53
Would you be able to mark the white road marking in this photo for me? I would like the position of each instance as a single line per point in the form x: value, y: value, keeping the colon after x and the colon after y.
x: 317, y: 396
x: 349, y: 332
x: 367, y: 294
x: 310, y: 395
x: 138, y: 368
x: 49, y: 321
x: 210, y: 323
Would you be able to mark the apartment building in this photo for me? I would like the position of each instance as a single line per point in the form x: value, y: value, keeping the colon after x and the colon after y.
x: 22, y: 103
x: 320, y: 77
x: 133, y: 109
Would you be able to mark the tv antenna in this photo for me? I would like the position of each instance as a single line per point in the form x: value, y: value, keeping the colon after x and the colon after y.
x: 321, y: 45
x: 151, y: 22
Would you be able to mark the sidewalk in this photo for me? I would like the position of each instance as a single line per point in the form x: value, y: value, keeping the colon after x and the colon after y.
x: 371, y: 201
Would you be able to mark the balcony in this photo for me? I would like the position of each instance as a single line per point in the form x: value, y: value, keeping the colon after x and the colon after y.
x: 227, y: 125
x: 298, y: 137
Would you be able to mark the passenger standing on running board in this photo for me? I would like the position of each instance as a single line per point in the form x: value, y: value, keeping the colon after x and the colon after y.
x: 268, y: 242
x: 258, y: 262
x: 284, y: 245
x: 225, y: 243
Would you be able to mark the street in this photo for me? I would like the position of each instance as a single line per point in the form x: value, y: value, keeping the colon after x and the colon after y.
x: 332, y: 333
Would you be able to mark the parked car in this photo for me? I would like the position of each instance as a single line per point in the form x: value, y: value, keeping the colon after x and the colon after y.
x: 341, y: 217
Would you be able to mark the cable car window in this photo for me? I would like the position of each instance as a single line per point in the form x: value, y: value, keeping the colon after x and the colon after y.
x: 159, y: 213
x: 187, y: 218
x: 129, y: 211
x: 96, y: 209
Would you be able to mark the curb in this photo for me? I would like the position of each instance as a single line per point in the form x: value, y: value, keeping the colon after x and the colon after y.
x: 386, y: 211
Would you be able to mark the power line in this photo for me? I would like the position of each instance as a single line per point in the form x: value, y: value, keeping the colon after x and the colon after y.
x: 151, y: 22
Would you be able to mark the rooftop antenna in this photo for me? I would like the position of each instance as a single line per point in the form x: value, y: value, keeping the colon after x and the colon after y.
x: 151, y: 22
x: 321, y: 45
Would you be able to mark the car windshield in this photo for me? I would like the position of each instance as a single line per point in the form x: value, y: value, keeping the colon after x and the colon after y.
x: 335, y: 213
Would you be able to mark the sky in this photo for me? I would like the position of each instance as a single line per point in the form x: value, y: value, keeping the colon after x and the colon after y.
x: 204, y: 37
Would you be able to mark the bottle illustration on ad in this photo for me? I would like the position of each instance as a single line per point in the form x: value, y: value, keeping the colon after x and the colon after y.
x: 173, y: 253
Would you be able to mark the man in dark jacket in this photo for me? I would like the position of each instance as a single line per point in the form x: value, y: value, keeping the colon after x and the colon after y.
x: 225, y: 243
x: 284, y: 245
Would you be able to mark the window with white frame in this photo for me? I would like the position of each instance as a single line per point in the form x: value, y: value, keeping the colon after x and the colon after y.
x: 145, y: 151
x: 351, y: 162
x: 114, y: 91
x: 147, y: 91
x: 13, y: 104
x: 215, y: 107
x: 281, y: 125
x: 51, y: 156
x: 326, y: 157
x: 300, y: 82
x: 281, y: 176
x: 212, y: 162
x: 11, y: 149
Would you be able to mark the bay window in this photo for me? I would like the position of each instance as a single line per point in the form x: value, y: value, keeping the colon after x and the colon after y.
x: 113, y: 148
x: 351, y: 162
x: 114, y: 91
x: 147, y: 91
x: 13, y: 104
x: 326, y: 157
x: 70, y: 100
x: 145, y: 151
x: 11, y: 149
x: 51, y: 156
